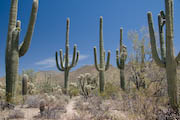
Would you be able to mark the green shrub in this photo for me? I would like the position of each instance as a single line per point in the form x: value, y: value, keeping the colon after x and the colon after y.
x: 111, y: 91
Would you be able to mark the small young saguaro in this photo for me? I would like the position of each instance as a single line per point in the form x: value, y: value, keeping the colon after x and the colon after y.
x: 24, y: 84
x: 64, y: 60
x: 13, y: 50
x: 167, y: 60
x: 121, y: 59
x: 101, y: 68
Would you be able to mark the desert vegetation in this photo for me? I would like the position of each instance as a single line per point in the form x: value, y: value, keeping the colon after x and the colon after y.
x: 143, y: 86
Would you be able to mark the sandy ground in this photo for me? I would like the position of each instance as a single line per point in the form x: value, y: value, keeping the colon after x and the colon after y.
x: 70, y: 111
x: 30, y: 113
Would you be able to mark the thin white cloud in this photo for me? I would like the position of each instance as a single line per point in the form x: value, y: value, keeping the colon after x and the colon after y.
x: 47, y: 63
x: 50, y: 62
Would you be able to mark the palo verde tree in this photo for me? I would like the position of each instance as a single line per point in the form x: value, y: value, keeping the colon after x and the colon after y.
x: 167, y: 60
x: 13, y: 50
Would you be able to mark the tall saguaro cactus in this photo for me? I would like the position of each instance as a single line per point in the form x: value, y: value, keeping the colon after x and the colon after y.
x: 101, y: 68
x: 121, y: 59
x: 168, y: 61
x: 64, y: 61
x: 13, y: 49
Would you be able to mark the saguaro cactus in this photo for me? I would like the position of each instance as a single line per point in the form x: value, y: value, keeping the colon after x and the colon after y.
x: 24, y: 84
x: 101, y: 67
x: 64, y: 61
x: 13, y: 49
x: 142, y: 56
x: 169, y: 62
x: 121, y: 59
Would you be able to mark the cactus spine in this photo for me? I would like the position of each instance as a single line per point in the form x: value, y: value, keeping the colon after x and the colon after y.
x: 101, y: 67
x: 169, y: 62
x: 64, y: 61
x: 121, y: 59
x: 13, y: 49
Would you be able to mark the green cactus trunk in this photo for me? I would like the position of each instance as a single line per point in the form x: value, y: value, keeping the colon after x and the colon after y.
x: 11, y: 77
x: 66, y: 75
x: 171, y: 73
x: 13, y: 50
x: 101, y: 68
x: 102, y: 57
x: 169, y: 62
x: 101, y: 81
x: 64, y: 62
x: 122, y: 79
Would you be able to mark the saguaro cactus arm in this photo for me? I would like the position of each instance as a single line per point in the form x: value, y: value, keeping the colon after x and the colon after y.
x: 161, y: 22
x: 108, y: 61
x: 62, y: 59
x: 121, y: 38
x: 153, y: 41
x: 13, y: 15
x: 57, y: 63
x: 23, y: 48
x: 120, y: 60
x: 95, y: 60
x: 75, y: 57
x: 117, y: 59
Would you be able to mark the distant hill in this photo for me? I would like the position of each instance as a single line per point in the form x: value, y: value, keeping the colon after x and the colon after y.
x: 112, y: 74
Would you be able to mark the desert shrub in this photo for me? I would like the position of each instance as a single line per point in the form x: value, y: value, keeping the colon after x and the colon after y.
x: 16, y: 114
x: 73, y: 90
x: 57, y: 90
x: 31, y: 74
x: 33, y: 101
x: 111, y: 91
x: 2, y: 93
x: 54, y: 106
x: 45, y: 87
x: 86, y: 83
x: 31, y: 88
x: 96, y: 108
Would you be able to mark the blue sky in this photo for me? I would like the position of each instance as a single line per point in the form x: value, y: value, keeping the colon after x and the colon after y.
x: 49, y: 34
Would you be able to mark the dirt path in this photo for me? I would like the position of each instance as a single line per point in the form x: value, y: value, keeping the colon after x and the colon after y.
x: 70, y: 111
x: 29, y: 113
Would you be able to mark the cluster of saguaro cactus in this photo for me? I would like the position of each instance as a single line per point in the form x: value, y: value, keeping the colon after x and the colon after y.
x: 102, y: 67
x: 13, y: 50
x: 121, y: 59
x: 64, y: 60
x: 168, y: 61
